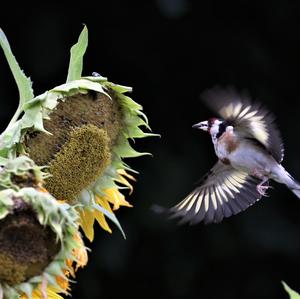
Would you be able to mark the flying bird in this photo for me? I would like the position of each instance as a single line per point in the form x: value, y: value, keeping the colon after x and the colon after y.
x: 249, y: 150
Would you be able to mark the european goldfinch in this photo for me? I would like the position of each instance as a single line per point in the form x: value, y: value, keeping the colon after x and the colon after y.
x: 249, y: 150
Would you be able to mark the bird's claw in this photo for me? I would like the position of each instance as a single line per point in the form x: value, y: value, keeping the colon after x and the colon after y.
x: 262, y: 190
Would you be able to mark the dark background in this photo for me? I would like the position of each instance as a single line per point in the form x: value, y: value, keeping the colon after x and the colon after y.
x: 169, y: 51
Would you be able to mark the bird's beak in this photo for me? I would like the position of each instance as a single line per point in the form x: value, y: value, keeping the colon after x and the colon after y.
x: 203, y: 125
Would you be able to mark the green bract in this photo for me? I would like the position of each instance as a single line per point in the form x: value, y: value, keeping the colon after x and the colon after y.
x: 20, y: 172
x: 39, y: 108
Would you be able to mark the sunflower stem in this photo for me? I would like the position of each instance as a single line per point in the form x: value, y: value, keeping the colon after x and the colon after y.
x: 15, y: 117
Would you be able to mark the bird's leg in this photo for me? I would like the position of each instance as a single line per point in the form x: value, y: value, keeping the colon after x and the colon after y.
x: 261, y: 188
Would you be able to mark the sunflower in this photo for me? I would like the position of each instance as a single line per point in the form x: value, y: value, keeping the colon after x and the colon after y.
x: 81, y: 131
x: 40, y: 245
x: 95, y: 121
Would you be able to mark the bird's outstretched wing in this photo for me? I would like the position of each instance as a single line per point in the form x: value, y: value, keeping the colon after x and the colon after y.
x: 223, y: 192
x: 250, y: 119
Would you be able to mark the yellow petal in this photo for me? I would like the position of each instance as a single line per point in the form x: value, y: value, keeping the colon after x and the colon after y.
x: 100, y: 216
x: 122, y: 173
x: 52, y: 294
x: 104, y: 202
x: 37, y: 294
x: 87, y: 219
x: 102, y: 221
x: 114, y: 196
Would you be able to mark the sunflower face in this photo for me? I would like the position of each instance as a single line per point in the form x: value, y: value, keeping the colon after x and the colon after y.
x: 71, y: 113
x: 38, y: 238
x: 80, y: 161
x: 85, y: 128
x: 26, y: 247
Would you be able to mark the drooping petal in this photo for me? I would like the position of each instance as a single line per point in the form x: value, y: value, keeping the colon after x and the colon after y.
x: 121, y: 179
x: 100, y: 216
x: 37, y: 294
x: 87, y: 223
x: 114, y: 196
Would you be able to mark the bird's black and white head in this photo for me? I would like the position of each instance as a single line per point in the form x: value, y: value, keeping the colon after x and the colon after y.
x: 214, y: 126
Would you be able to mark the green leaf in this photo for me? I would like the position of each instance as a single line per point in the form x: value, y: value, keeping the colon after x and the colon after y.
x: 120, y: 88
x: 3, y: 161
x: 11, y: 293
x: 33, y: 118
x: 292, y: 293
x: 24, y: 83
x: 77, y: 53
x: 124, y: 150
x: 3, y: 213
x: 129, y: 103
x: 26, y: 288
x: 10, y: 137
x: 81, y: 85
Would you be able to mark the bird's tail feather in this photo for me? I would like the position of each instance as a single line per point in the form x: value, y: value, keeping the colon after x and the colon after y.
x: 296, y: 191
x: 292, y: 184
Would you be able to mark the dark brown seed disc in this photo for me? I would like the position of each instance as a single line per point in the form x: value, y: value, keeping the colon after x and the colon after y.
x: 26, y: 247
